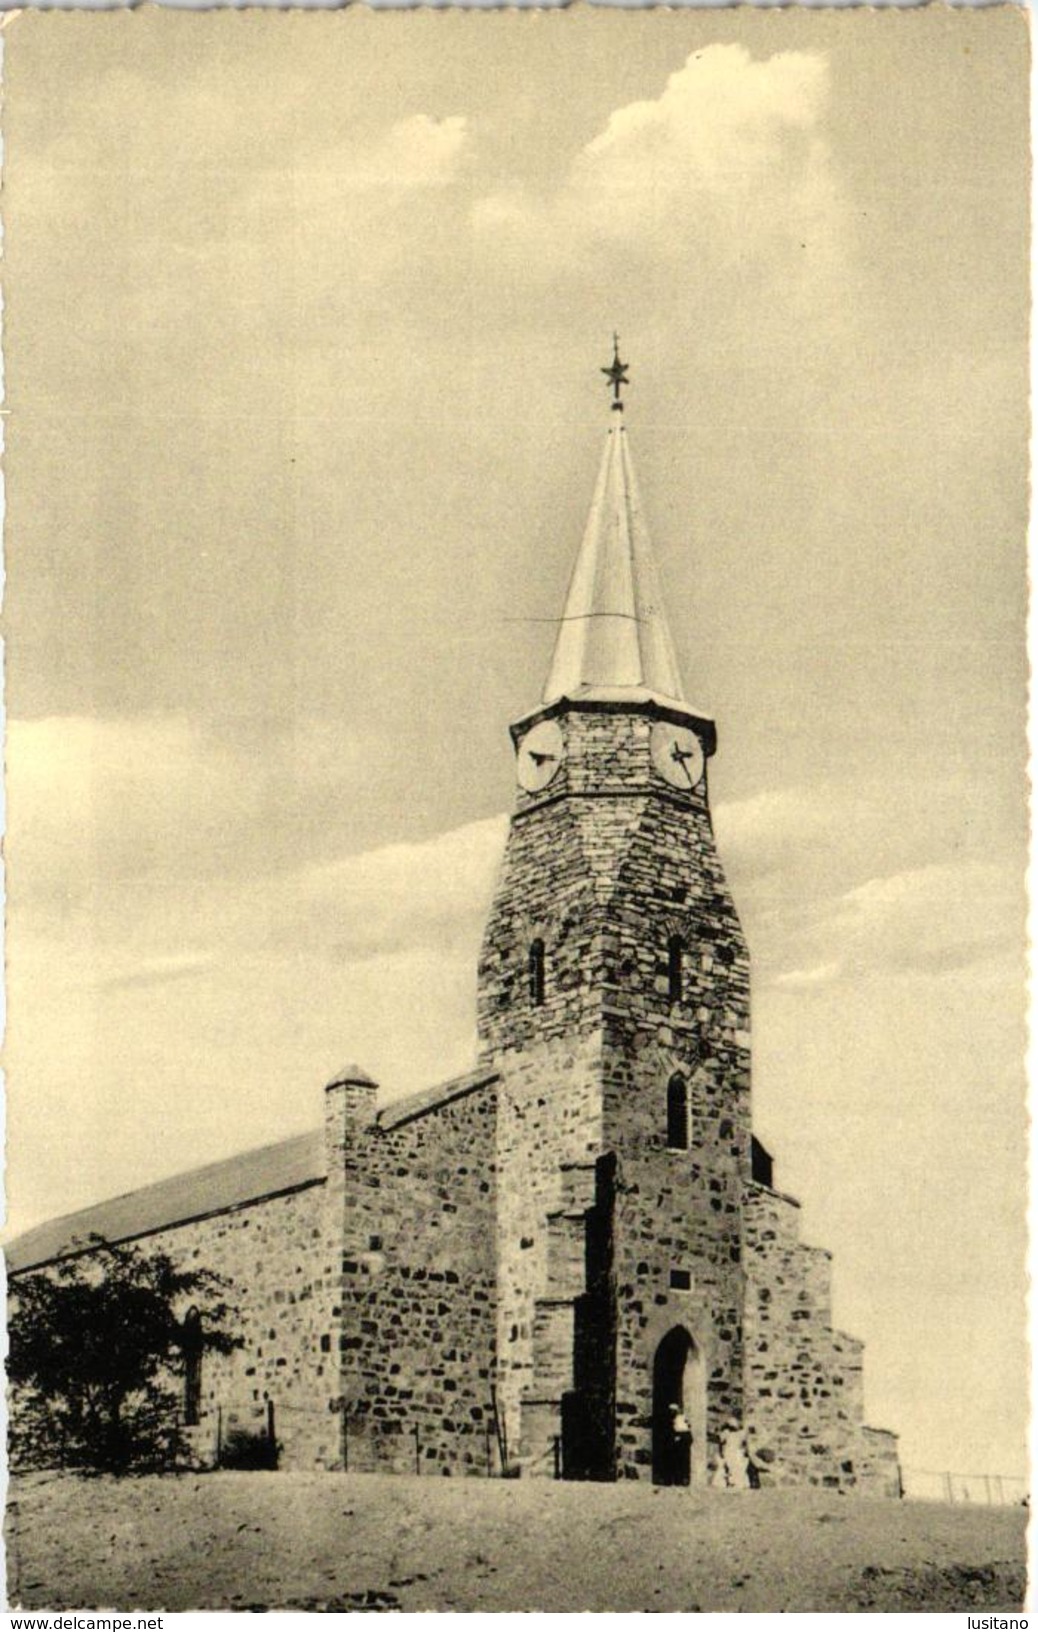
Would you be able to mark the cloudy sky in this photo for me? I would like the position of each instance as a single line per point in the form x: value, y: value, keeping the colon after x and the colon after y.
x: 304, y: 317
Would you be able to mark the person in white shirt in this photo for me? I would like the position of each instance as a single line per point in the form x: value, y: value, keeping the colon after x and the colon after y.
x: 682, y: 1443
x: 735, y: 1470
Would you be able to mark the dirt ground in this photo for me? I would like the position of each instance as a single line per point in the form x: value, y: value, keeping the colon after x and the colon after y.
x: 362, y: 1542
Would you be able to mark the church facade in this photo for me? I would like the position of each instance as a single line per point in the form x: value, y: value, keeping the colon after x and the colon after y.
x: 538, y: 1268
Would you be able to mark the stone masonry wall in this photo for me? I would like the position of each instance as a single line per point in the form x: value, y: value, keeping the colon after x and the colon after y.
x: 554, y: 883
x: 418, y: 1289
x: 679, y: 1209
x: 880, y: 1468
x: 803, y: 1379
x: 366, y: 1302
x: 279, y: 1260
x: 557, y: 875
x: 549, y: 1115
x: 567, y: 847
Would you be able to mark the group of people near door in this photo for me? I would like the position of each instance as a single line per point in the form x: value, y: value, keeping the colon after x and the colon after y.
x: 734, y: 1468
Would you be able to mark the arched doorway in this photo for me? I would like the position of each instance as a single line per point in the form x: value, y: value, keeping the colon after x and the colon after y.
x: 678, y: 1379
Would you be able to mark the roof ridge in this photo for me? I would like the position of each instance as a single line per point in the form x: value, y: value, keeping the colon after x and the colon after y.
x: 247, y: 1175
x: 427, y: 1099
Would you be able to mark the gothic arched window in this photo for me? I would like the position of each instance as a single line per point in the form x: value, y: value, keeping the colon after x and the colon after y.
x: 675, y: 968
x: 537, y: 972
x: 191, y: 1345
x: 677, y: 1113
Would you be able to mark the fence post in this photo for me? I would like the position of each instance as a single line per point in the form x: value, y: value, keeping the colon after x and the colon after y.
x: 219, y: 1434
x: 948, y: 1487
x: 558, y: 1456
x: 417, y: 1452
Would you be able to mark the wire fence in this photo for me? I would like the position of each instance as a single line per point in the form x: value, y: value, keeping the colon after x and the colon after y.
x: 981, y: 1489
x: 410, y: 1445
x: 369, y: 1444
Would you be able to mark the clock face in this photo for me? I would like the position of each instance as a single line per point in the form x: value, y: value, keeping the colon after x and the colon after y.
x: 677, y: 754
x: 539, y: 756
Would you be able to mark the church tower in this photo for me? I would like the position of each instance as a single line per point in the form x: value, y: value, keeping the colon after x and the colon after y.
x: 614, y: 1002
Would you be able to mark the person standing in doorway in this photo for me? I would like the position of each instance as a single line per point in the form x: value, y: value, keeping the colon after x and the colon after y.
x: 681, y: 1440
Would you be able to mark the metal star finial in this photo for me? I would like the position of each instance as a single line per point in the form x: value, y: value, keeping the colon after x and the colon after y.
x: 617, y: 375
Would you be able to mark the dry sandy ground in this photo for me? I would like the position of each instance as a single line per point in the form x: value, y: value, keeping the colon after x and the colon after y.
x: 345, y: 1542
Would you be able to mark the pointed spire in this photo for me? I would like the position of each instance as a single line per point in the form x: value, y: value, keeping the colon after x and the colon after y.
x: 613, y: 638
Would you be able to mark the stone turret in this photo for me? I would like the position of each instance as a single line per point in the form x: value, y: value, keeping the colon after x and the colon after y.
x: 349, y: 1108
x: 350, y: 1100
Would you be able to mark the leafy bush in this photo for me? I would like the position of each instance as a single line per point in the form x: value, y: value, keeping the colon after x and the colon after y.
x: 248, y: 1449
x: 96, y: 1341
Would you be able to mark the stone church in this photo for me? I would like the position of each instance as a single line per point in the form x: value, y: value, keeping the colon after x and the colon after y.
x: 537, y: 1268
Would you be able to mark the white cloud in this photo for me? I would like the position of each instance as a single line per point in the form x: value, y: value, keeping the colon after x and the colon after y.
x: 417, y: 152
x: 94, y: 800
x: 149, y: 839
x: 414, y: 154
x: 869, y: 877
x: 232, y: 995
x: 927, y: 922
x: 818, y: 975
x: 765, y: 832
x: 142, y: 872
x: 431, y: 894
x: 731, y: 156
x: 931, y: 920
x: 722, y: 123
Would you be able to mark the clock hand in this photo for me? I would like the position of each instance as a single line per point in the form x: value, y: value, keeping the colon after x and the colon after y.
x: 682, y: 759
x: 542, y: 759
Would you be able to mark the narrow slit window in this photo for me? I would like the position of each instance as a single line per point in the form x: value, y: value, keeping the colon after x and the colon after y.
x: 676, y: 967
x: 537, y: 973
x: 761, y: 1165
x: 677, y: 1113
x: 192, y: 1350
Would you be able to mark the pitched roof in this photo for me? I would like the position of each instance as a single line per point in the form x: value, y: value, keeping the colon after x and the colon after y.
x: 219, y: 1187
x: 216, y: 1188
x: 353, y: 1074
x: 613, y: 638
x: 430, y: 1099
